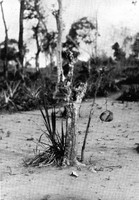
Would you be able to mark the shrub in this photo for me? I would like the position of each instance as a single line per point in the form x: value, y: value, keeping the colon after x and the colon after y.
x: 22, y: 96
x: 107, y: 83
x: 51, y: 151
x: 9, y: 96
x: 131, y: 94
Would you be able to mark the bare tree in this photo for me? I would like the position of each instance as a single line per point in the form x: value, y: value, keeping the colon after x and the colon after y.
x: 6, y: 42
x: 36, y: 30
x: 96, y: 37
x: 21, y: 30
x: 33, y: 10
x: 70, y: 91
x: 59, y: 22
x: 72, y: 94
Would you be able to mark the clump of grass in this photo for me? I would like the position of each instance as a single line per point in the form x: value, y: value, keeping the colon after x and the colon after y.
x: 53, y: 150
x: 8, y: 96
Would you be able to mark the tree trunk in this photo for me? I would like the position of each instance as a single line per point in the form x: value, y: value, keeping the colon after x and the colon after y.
x: 21, y: 42
x: 58, y: 16
x: 36, y: 30
x: 64, y: 91
x: 70, y: 146
x: 51, y: 62
x: 96, y: 37
x: 70, y: 157
x: 37, y: 60
x: 6, y: 44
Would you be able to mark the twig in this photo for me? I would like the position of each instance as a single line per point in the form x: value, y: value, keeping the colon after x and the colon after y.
x: 90, y: 117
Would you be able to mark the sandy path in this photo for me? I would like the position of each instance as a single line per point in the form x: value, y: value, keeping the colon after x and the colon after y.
x: 113, y: 170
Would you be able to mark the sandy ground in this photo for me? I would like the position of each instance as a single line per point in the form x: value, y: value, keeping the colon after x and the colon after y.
x: 112, y: 171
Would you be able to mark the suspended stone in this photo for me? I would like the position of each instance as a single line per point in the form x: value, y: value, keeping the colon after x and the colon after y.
x: 106, y: 116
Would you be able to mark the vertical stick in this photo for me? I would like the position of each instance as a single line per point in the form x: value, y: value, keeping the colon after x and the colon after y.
x: 90, y: 117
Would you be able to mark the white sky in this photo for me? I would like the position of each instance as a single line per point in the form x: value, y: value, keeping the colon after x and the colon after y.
x: 112, y: 15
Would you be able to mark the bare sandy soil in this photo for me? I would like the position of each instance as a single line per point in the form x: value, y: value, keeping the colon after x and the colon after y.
x: 112, y: 170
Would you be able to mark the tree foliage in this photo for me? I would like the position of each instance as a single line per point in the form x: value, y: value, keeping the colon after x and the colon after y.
x: 135, y: 46
x: 81, y: 31
x: 12, y: 52
x: 119, y: 54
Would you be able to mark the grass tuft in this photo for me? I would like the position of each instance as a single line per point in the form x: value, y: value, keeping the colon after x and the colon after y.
x: 52, y: 151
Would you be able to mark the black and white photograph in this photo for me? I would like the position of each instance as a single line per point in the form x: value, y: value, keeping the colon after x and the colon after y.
x: 69, y: 99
